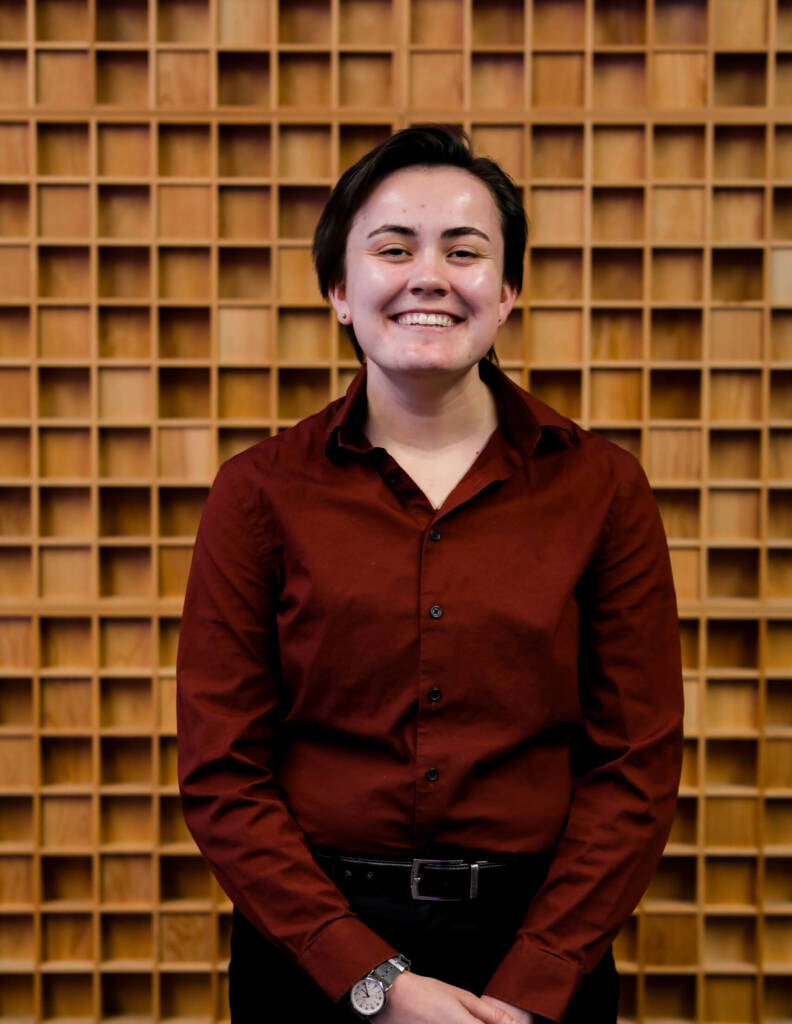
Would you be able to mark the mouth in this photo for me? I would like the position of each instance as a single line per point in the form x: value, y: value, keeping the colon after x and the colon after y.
x: 422, y: 319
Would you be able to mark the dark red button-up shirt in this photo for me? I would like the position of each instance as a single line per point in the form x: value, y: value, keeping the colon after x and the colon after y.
x: 360, y: 671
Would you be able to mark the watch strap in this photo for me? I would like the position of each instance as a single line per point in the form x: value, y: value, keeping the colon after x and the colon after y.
x: 388, y: 971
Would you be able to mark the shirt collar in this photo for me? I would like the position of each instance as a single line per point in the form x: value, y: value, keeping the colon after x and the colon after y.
x: 525, y: 421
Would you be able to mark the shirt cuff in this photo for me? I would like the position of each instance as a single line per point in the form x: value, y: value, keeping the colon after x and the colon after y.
x: 342, y: 953
x: 540, y: 982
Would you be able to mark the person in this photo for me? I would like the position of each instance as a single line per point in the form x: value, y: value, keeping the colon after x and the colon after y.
x: 429, y: 684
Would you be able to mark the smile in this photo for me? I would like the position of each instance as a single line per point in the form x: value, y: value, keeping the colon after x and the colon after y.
x: 425, y: 320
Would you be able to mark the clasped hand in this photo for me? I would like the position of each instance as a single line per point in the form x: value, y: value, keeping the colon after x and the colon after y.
x: 416, y: 999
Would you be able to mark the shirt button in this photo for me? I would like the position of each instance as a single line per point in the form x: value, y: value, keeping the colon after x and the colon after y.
x: 434, y: 535
x: 436, y: 611
x: 435, y: 694
x: 432, y: 775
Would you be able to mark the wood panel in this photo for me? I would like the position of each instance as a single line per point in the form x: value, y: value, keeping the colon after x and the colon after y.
x: 162, y: 165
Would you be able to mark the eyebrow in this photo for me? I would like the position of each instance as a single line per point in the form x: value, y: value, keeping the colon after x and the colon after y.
x: 400, y: 229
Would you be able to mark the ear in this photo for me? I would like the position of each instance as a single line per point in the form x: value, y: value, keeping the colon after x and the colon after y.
x: 337, y: 296
x: 507, y: 300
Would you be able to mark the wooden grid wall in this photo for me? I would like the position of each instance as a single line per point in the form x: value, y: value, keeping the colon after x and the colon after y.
x: 162, y: 165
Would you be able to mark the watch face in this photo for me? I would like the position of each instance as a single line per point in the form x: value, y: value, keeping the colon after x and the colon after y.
x: 367, y: 997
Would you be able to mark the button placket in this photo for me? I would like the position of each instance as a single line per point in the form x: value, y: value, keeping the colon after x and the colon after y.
x: 433, y: 723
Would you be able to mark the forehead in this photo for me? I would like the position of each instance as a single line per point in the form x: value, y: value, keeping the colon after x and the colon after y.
x: 450, y: 196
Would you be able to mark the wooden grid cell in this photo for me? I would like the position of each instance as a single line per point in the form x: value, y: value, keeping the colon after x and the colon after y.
x: 245, y: 273
x: 15, y: 332
x: 366, y: 23
x: 184, y: 994
x: 730, y: 998
x: 557, y: 215
x: 179, y: 510
x: 244, y: 21
x: 122, y: 78
x: 126, y: 938
x: 436, y: 80
x: 243, y: 80
x: 183, y: 332
x: 734, y: 514
x: 557, y: 151
x: 64, y: 333
x: 436, y: 22
x: 15, y: 280
x: 13, y: 22
x: 681, y: 512
x: 185, y: 453
x: 366, y: 79
x: 125, y: 22
x: 617, y: 274
x: 16, y: 707
x: 63, y: 79
x: 619, y: 153
x: 736, y: 335
x: 679, y: 80
x: 556, y: 25
x: 14, y: 210
x: 740, y: 80
x: 123, y: 150
x: 676, y: 335
x: 734, y: 454
x: 14, y: 68
x: 184, y: 151
x: 66, y: 703
x: 556, y: 274
x: 183, y: 21
x: 558, y: 81
x: 245, y: 212
x: 672, y: 995
x: 740, y: 151
x: 679, y: 152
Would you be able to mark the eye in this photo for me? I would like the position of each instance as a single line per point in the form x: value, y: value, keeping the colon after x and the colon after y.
x: 394, y: 251
x: 463, y: 254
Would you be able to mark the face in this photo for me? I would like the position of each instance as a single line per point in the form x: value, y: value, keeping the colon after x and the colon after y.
x: 424, y: 285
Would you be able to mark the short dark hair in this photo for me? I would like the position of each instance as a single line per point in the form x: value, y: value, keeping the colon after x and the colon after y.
x: 425, y: 146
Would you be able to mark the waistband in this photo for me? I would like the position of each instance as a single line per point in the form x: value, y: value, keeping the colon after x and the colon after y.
x: 435, y: 879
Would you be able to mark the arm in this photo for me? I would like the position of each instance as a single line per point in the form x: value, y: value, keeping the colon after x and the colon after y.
x: 628, y: 763
x: 229, y: 707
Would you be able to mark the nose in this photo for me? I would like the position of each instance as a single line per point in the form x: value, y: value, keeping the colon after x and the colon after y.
x: 428, y: 274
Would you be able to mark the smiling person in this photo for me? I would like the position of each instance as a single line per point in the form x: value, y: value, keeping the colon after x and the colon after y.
x: 429, y: 683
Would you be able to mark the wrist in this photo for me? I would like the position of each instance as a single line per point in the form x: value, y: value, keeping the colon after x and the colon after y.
x: 369, y: 996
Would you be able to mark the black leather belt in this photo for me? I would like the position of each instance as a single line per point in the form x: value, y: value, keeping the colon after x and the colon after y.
x: 427, y: 878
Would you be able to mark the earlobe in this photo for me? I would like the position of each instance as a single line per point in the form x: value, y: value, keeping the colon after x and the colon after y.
x: 507, y: 300
x: 337, y: 296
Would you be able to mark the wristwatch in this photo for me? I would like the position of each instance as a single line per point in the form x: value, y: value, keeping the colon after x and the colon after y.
x: 369, y: 995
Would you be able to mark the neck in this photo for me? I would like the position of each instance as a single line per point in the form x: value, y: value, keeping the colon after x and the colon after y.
x: 428, y: 412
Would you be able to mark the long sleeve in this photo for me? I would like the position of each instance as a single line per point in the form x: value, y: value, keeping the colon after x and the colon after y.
x: 629, y: 762
x: 229, y: 712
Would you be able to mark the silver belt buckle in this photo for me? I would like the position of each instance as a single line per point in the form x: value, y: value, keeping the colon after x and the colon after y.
x: 415, y: 880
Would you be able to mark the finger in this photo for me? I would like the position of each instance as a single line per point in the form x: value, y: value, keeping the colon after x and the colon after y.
x: 485, y: 1012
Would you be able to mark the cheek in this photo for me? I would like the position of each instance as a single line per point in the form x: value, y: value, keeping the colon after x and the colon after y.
x: 484, y: 287
x: 367, y: 286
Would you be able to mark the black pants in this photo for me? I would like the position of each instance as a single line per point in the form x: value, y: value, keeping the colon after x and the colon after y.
x: 459, y: 943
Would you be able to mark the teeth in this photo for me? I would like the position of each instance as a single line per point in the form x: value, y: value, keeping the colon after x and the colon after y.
x: 426, y: 319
